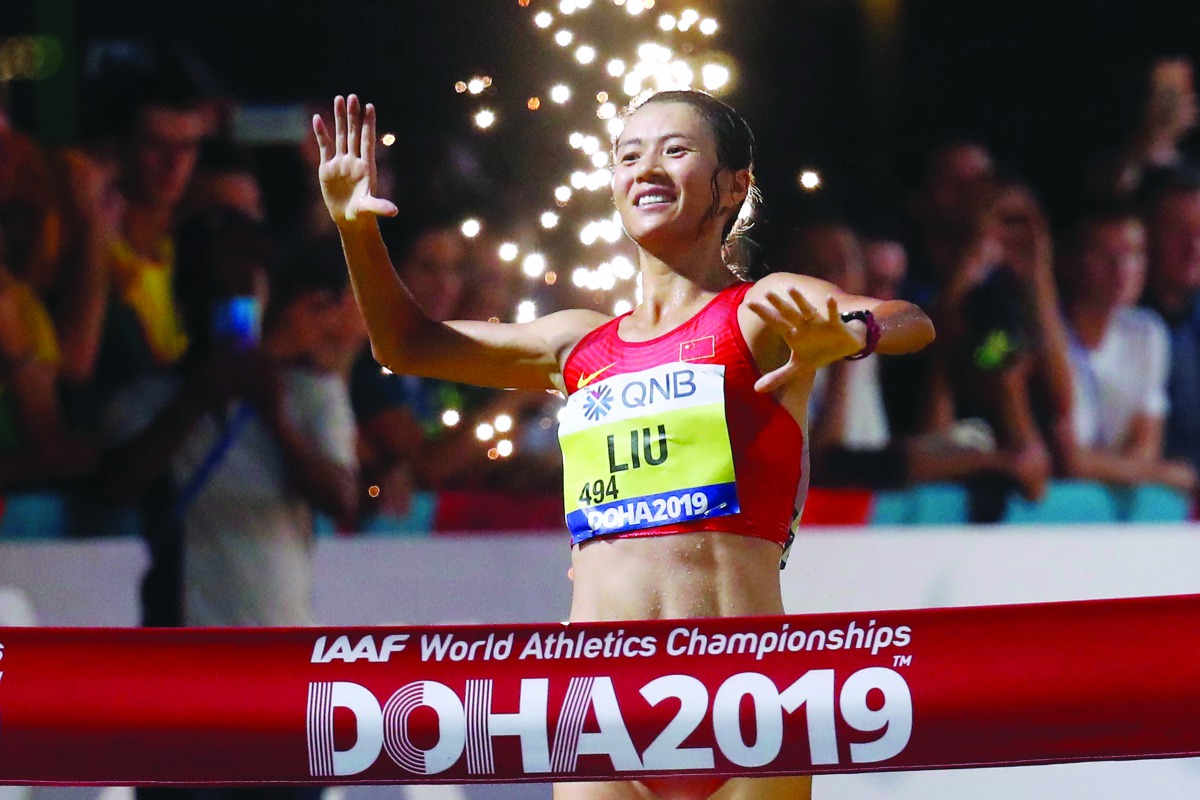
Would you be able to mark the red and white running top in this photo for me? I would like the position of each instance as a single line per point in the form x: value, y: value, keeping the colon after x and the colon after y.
x: 668, y: 435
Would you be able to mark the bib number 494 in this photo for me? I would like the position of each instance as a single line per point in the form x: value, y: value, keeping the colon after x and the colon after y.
x: 599, y: 491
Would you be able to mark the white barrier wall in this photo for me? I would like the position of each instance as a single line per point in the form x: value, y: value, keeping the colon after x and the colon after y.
x: 522, y: 578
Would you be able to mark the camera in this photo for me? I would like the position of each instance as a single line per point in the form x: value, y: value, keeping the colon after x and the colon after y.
x: 237, y: 321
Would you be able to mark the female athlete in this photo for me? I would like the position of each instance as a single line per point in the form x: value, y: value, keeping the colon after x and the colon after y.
x: 683, y: 437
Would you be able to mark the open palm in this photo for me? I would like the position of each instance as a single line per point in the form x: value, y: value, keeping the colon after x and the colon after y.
x: 814, y: 339
x: 347, y: 172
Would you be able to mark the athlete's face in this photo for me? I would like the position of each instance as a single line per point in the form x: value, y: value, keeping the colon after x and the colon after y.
x: 666, y: 158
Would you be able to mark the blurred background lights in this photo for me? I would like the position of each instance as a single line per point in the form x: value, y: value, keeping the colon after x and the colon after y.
x: 484, y: 432
x: 504, y: 448
x: 715, y: 76
x: 669, y: 53
x: 388, y: 139
x: 503, y: 423
x: 471, y: 227
x: 810, y: 180
x: 623, y: 268
x: 526, y: 311
x: 451, y: 417
x: 534, y: 265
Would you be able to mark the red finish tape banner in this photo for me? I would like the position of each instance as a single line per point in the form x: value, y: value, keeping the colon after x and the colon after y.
x: 849, y: 692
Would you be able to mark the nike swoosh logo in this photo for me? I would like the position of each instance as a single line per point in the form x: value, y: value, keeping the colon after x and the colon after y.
x: 586, y: 379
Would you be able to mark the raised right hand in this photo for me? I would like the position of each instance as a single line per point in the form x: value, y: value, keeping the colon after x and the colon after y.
x: 347, y: 172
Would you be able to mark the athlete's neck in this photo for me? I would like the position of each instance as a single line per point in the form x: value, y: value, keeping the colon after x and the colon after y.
x: 672, y: 293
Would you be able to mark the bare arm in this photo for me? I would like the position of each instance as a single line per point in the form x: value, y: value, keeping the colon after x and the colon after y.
x: 524, y: 356
x: 794, y: 321
x: 1138, y: 460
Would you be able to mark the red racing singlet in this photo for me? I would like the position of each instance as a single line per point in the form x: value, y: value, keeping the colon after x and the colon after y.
x: 668, y: 435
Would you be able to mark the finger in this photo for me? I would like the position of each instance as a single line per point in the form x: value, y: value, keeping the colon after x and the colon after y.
x: 354, y: 124
x: 773, y: 318
x: 367, y: 149
x: 831, y: 309
x: 809, y: 310
x: 322, y: 133
x: 776, y: 378
x: 339, y: 117
x: 795, y: 315
x: 377, y: 205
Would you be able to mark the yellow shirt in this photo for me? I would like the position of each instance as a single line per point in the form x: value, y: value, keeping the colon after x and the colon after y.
x: 146, y: 286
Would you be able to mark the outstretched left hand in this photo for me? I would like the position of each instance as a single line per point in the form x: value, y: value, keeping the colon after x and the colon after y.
x: 815, y: 339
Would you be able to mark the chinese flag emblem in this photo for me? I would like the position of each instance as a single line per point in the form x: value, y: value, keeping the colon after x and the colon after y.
x: 698, y: 349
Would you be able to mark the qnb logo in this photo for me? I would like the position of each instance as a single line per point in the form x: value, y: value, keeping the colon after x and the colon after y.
x: 598, y: 403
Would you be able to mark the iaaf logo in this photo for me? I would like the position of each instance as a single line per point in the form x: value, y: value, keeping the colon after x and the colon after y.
x: 468, y: 724
x: 341, y: 650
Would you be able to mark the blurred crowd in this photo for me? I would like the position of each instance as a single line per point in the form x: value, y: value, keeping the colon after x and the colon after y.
x: 171, y: 342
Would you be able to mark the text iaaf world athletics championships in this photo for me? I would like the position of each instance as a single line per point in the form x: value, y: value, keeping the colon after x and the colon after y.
x: 681, y: 641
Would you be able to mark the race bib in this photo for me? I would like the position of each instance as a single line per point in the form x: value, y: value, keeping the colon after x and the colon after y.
x: 645, y: 449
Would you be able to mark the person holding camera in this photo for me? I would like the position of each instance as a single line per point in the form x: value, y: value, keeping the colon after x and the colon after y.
x: 232, y: 453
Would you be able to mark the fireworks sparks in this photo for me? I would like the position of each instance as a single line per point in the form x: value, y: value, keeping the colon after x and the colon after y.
x: 582, y: 90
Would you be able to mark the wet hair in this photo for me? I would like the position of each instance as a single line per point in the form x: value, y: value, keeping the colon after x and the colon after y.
x: 735, y: 151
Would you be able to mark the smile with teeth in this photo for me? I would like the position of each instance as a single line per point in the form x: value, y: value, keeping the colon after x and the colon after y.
x: 653, y: 198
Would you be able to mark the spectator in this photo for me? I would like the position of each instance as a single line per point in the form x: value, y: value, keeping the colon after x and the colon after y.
x: 1001, y: 352
x: 850, y: 439
x: 224, y: 177
x: 418, y: 432
x: 250, y: 438
x: 1119, y: 358
x: 59, y: 210
x: 156, y: 150
x: 1173, y: 290
x: 37, y: 449
x: 1168, y: 115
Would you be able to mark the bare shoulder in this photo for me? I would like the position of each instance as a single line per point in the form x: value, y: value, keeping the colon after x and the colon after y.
x: 780, y: 283
x: 562, y: 330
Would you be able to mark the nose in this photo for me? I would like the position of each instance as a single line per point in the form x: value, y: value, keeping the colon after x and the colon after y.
x: 649, y: 167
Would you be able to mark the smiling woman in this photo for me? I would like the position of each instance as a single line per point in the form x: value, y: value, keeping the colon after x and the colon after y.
x: 683, y: 435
